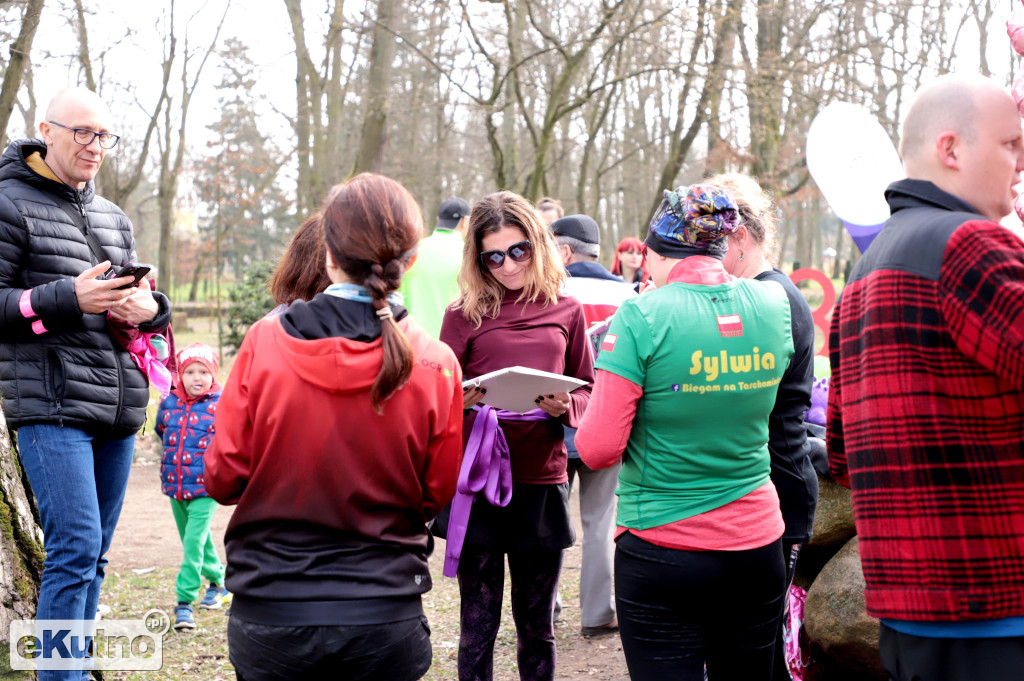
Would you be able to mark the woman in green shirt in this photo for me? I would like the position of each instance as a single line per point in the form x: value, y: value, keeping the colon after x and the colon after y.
x: 688, y: 375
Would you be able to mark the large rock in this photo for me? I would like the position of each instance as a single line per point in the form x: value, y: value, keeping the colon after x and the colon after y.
x: 833, y: 528
x: 843, y: 638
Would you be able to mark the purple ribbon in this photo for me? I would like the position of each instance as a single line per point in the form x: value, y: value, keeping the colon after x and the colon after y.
x: 486, y: 469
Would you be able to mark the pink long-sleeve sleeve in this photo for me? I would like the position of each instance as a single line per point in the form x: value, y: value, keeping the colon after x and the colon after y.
x: 606, y: 425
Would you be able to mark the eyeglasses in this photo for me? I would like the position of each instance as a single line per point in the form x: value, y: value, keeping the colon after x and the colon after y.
x: 519, y: 252
x: 85, y: 136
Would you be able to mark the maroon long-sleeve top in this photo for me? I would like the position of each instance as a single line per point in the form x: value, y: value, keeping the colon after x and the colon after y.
x: 547, y: 337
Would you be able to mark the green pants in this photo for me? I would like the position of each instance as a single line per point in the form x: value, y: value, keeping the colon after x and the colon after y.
x: 200, y: 556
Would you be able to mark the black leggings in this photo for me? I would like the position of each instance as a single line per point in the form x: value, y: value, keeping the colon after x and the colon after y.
x: 680, y: 609
x: 534, y: 576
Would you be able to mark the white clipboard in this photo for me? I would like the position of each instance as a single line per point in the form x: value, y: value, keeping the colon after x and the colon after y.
x: 516, y: 388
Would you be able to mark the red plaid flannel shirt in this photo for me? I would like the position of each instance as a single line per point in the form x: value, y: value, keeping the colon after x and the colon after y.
x: 926, y: 411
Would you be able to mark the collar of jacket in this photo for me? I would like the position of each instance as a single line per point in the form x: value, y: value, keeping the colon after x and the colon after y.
x: 910, y: 193
x: 24, y: 160
x: 593, y: 270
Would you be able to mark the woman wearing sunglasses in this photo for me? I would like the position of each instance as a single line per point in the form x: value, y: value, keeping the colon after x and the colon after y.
x: 510, y: 313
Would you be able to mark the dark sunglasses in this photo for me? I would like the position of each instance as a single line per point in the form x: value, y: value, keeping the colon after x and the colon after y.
x: 519, y: 252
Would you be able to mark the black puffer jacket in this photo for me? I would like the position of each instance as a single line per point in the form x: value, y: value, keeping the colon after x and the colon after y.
x: 74, y: 373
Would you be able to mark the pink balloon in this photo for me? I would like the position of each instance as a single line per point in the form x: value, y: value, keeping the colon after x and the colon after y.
x: 1018, y: 207
x: 1018, y: 93
x: 1015, y: 29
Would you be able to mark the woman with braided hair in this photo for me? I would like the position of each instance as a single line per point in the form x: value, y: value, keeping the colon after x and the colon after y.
x: 338, y: 435
x: 686, y: 380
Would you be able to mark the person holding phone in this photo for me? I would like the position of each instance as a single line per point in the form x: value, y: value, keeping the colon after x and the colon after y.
x: 71, y: 391
x: 512, y: 312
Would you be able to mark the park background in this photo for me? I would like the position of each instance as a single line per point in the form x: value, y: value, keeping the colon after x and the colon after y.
x: 237, y: 116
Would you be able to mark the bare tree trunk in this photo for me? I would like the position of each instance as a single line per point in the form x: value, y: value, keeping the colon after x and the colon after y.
x: 319, y: 141
x: 304, y: 73
x: 20, y: 49
x: 83, y: 46
x: 115, y: 182
x: 683, y: 135
x: 374, y: 135
x: 194, y: 290
x: 167, y: 185
x: 28, y: 110
x: 21, y: 544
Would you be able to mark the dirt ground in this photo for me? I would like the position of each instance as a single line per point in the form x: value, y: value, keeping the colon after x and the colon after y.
x: 147, y: 538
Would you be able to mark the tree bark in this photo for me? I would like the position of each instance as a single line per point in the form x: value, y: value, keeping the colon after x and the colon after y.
x: 170, y: 170
x: 683, y: 135
x: 374, y: 135
x: 21, y: 544
x: 20, y: 49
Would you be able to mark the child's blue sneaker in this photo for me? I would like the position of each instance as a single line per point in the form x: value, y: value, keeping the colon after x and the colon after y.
x: 183, y: 617
x: 215, y: 597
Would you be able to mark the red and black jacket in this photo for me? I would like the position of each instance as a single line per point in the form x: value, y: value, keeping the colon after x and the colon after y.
x: 926, y: 410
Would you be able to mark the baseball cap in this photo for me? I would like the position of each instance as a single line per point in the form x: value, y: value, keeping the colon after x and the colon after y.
x: 580, y: 227
x: 451, y: 211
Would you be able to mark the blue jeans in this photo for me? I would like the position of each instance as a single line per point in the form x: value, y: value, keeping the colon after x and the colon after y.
x: 79, y: 480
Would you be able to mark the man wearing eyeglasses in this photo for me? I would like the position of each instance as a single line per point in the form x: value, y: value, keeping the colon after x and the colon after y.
x: 73, y: 393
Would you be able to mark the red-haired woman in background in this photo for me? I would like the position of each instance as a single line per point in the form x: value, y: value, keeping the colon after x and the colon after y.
x: 629, y: 261
x: 339, y: 435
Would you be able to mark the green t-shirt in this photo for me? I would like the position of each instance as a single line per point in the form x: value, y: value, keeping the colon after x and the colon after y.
x: 431, y: 284
x: 709, y: 360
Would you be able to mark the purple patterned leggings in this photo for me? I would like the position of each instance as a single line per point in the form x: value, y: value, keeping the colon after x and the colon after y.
x: 534, y: 576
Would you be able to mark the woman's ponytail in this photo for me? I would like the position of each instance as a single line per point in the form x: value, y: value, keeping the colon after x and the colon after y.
x: 396, y: 365
x: 371, y: 226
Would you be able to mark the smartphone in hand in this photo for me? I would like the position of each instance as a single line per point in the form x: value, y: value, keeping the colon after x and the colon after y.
x: 135, y: 270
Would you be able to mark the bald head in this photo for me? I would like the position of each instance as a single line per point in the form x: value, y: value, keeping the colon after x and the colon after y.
x: 71, y: 99
x: 948, y: 103
x: 963, y: 134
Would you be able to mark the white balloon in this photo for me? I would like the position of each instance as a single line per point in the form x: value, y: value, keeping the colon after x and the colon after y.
x: 852, y: 160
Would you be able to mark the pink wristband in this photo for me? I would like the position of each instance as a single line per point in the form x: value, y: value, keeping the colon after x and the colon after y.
x: 38, y: 327
x: 25, y: 304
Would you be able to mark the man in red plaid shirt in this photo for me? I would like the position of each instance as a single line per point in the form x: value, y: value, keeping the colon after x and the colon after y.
x: 926, y: 403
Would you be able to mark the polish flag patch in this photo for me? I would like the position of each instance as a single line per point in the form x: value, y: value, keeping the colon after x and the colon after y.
x: 609, y: 342
x: 730, y: 325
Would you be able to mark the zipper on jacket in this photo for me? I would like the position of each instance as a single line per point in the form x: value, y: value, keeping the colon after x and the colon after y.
x: 181, y: 449
x: 120, y: 385
x: 57, y: 382
x: 81, y: 209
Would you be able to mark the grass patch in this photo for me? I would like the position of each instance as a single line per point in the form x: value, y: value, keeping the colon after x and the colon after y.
x: 202, y: 654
